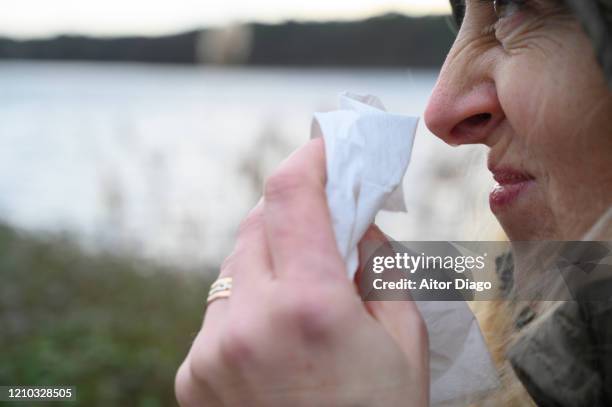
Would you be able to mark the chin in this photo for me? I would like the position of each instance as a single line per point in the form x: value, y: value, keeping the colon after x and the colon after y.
x: 534, y: 231
x: 527, y: 220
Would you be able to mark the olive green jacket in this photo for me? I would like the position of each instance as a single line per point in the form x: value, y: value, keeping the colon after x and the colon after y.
x: 565, y: 358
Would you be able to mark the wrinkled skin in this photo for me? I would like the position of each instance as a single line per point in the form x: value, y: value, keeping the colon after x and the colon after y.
x: 294, y: 331
x: 529, y: 87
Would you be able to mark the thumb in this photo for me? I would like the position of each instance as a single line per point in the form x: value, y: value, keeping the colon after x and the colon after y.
x: 399, y: 316
x: 404, y: 324
x: 374, y: 241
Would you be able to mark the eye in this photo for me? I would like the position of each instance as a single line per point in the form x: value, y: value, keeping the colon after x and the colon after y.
x: 506, y: 8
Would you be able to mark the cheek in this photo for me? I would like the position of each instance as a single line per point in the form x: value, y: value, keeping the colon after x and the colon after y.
x: 551, y: 93
x: 537, y: 109
x: 558, y: 111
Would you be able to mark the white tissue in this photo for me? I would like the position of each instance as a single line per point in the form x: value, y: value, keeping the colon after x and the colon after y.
x: 461, y: 369
x: 367, y: 152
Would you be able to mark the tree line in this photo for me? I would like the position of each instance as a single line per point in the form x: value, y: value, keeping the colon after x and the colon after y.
x: 391, y: 40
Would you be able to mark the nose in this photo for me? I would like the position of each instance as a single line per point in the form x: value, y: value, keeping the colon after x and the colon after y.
x: 464, y: 107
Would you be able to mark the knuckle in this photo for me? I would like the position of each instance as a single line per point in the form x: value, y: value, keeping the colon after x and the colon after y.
x: 253, y: 220
x: 420, y: 328
x: 203, y: 362
x: 282, y: 184
x: 228, y: 262
x: 312, y: 315
x: 181, y: 384
x: 237, y: 347
x: 191, y: 389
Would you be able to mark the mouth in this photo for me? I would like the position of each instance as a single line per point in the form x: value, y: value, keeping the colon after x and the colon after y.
x: 511, y: 184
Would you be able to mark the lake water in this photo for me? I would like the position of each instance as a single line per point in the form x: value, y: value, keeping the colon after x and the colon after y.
x: 164, y: 161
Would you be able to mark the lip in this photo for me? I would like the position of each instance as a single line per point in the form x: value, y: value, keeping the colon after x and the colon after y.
x: 511, y: 184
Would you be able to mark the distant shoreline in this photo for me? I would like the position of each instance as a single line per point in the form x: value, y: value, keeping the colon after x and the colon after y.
x: 222, y: 68
x: 388, y: 41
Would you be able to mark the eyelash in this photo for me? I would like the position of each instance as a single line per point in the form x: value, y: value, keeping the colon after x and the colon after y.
x: 498, y: 7
x: 499, y: 11
x: 459, y: 9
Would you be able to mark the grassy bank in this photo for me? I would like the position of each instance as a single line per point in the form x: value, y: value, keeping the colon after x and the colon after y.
x: 117, y: 328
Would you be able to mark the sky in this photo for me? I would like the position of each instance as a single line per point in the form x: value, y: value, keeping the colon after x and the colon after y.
x: 39, y: 18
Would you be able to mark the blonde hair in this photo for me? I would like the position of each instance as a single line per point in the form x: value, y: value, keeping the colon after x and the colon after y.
x: 497, y: 321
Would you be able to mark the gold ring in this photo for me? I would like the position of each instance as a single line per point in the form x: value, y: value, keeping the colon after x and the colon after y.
x: 221, y: 288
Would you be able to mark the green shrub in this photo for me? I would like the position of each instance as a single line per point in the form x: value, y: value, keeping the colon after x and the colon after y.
x: 114, y: 327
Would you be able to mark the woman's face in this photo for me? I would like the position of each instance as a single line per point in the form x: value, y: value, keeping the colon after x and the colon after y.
x: 522, y: 78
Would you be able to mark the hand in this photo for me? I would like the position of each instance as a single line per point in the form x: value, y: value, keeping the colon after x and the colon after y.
x: 294, y: 331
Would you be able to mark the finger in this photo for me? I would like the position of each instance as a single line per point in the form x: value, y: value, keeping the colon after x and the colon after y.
x: 404, y: 324
x: 248, y: 263
x: 190, y: 392
x: 375, y: 245
x: 209, y: 374
x: 373, y: 242
x: 251, y: 256
x: 401, y: 319
x: 297, y: 219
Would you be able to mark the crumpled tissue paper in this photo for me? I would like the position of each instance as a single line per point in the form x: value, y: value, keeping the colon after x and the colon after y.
x: 368, y: 151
